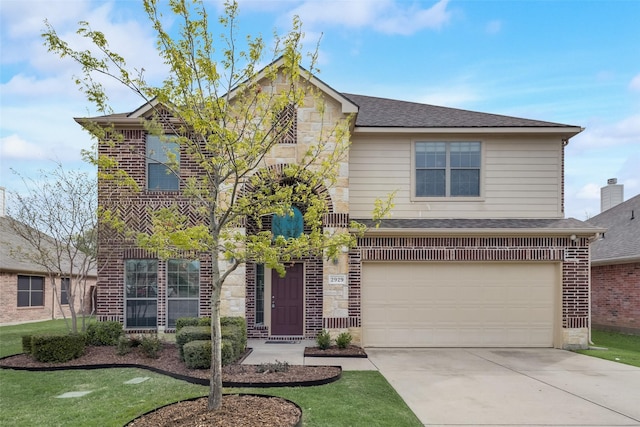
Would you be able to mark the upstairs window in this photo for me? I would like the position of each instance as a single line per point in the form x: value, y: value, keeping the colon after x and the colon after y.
x: 447, y: 169
x: 160, y: 153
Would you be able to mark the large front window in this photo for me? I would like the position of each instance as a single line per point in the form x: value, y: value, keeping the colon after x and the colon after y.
x: 30, y: 291
x: 141, y: 284
x: 163, y: 159
x: 183, y: 289
x: 447, y: 169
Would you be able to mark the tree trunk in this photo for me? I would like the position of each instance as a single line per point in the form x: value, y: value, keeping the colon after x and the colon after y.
x: 215, y: 381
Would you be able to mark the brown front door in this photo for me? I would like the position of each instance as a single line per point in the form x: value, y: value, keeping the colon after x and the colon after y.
x: 287, y: 301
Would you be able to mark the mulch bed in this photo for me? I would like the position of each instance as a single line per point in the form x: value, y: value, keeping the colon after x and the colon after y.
x: 335, y: 351
x: 169, y: 363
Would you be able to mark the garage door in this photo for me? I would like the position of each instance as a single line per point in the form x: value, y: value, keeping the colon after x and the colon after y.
x: 458, y: 304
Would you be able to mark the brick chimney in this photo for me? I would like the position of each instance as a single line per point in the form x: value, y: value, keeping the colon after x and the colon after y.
x: 611, y: 195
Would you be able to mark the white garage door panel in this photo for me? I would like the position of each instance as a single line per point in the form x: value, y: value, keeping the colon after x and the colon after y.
x: 458, y: 304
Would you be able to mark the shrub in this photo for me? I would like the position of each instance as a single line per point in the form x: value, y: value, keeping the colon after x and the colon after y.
x: 57, y: 348
x: 26, y: 344
x: 151, y: 346
x: 343, y: 340
x: 323, y: 339
x: 228, y: 351
x: 272, y: 367
x: 181, y: 322
x: 197, y: 354
x: 124, y: 345
x: 104, y: 333
x: 191, y: 333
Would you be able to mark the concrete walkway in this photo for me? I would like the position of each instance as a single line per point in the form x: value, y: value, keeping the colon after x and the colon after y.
x: 520, y: 387
x: 293, y: 353
x: 491, y: 387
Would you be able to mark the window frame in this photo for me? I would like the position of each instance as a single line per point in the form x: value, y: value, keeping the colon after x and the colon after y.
x: 148, y: 288
x: 170, y: 298
x: 65, y: 282
x: 30, y: 292
x: 161, y: 158
x: 447, y: 197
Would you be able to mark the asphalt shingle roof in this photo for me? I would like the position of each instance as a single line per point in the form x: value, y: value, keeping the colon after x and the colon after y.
x: 383, y: 112
x: 622, y: 238
x: 11, y: 242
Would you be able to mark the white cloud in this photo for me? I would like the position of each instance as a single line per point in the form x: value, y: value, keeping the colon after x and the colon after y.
x: 599, y: 135
x: 13, y: 147
x: 635, y: 83
x: 590, y: 191
x: 493, y: 27
x: 385, y: 16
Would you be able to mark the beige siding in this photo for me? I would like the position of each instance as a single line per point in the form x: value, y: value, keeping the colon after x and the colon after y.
x: 520, y: 178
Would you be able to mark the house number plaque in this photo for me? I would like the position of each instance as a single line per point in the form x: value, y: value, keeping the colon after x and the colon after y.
x: 337, y: 279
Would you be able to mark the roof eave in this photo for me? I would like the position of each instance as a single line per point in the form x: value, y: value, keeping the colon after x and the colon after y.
x: 567, y: 132
x: 578, y: 232
x: 616, y: 260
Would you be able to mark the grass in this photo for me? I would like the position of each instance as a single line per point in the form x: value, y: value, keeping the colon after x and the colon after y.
x: 359, y: 398
x: 620, y: 348
x: 29, y: 398
x: 11, y: 336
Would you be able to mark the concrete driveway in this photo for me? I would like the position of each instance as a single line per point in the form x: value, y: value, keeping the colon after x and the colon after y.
x: 512, y: 386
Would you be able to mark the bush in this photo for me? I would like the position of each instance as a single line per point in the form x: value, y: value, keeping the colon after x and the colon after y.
x: 191, y: 333
x: 343, y: 340
x: 181, y: 322
x: 57, y: 348
x: 272, y: 367
x: 151, y: 346
x: 124, y: 345
x: 197, y: 354
x: 104, y: 333
x: 228, y: 351
x: 26, y: 344
x: 323, y: 339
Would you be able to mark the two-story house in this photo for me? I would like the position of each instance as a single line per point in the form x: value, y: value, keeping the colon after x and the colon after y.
x: 477, y: 251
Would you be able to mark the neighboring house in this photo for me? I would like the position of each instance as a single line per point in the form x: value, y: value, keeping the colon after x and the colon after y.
x: 477, y: 251
x: 615, y: 269
x: 26, y: 291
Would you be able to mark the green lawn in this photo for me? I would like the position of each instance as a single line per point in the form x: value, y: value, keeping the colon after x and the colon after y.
x: 11, y: 336
x: 619, y: 347
x: 29, y: 398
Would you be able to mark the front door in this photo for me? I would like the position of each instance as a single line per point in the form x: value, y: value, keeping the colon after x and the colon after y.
x: 287, y: 301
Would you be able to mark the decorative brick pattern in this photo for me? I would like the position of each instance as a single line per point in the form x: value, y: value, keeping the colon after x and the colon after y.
x: 615, y: 297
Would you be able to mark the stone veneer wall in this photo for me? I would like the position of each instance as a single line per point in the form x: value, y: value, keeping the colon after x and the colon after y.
x: 615, y: 297
x: 574, y: 257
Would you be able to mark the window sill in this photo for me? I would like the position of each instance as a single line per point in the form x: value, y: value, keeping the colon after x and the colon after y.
x: 447, y: 199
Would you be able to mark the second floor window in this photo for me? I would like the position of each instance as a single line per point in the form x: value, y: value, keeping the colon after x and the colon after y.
x: 447, y: 169
x: 161, y: 153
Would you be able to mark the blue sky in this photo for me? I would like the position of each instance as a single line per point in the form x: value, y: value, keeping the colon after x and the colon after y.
x: 568, y: 61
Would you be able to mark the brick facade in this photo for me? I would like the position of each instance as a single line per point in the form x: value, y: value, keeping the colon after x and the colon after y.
x: 615, y: 297
x: 11, y: 313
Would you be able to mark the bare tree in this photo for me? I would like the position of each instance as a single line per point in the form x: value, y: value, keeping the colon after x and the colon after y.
x: 56, y: 218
